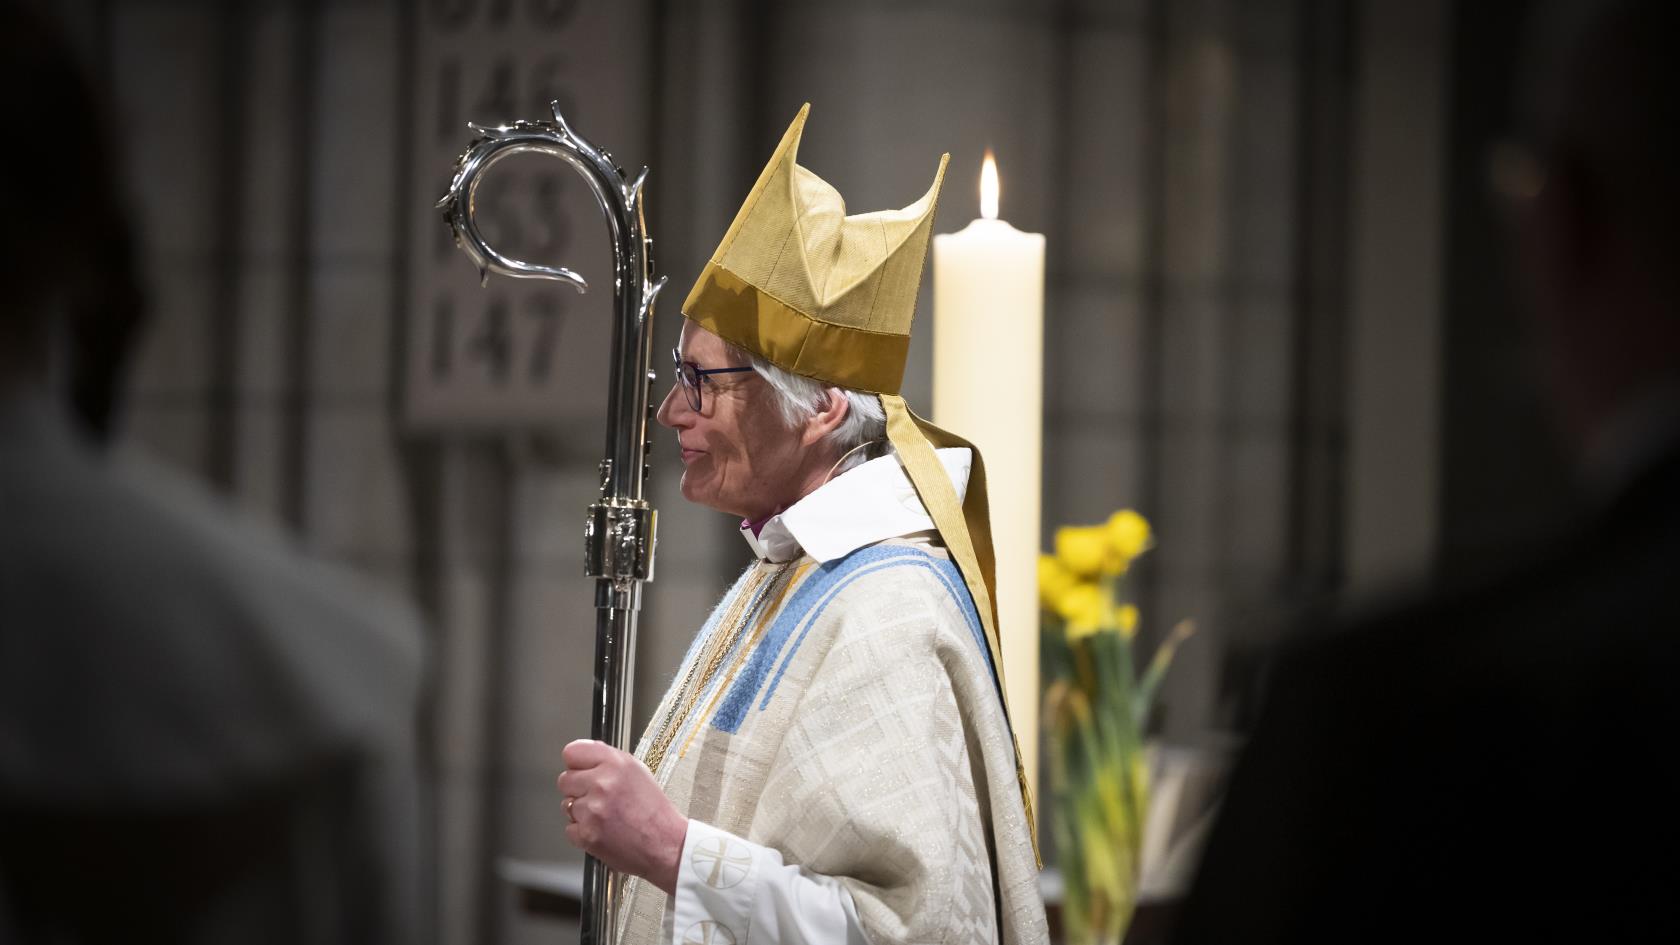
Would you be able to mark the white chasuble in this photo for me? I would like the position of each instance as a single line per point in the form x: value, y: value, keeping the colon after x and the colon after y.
x: 836, y: 737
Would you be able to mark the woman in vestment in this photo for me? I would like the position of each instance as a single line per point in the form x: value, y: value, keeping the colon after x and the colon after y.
x: 833, y: 762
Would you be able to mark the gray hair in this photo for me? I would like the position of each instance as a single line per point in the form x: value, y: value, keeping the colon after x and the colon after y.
x: 799, y: 398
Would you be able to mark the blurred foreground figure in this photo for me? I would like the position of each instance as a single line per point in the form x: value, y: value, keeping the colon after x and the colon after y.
x: 203, y: 737
x: 1493, y: 764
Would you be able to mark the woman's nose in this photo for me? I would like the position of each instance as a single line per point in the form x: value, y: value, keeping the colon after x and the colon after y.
x: 669, y: 406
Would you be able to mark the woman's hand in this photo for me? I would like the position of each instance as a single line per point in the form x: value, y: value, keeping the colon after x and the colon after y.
x: 619, y: 815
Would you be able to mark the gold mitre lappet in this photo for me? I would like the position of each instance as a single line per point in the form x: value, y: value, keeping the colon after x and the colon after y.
x: 830, y: 297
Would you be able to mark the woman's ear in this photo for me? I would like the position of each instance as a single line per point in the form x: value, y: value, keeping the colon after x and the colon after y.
x: 832, y: 412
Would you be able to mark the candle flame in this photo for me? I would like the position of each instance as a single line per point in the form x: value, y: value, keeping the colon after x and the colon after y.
x: 989, y: 187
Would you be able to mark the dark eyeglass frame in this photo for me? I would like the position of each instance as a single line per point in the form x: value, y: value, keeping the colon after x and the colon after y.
x: 690, y: 376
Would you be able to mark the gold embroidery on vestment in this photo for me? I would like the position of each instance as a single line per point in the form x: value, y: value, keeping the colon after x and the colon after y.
x: 723, y: 638
x: 772, y: 605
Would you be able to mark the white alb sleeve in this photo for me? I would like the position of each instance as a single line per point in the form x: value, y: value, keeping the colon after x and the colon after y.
x: 734, y: 892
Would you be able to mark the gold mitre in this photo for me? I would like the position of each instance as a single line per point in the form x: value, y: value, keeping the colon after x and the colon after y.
x: 831, y: 297
x: 811, y: 290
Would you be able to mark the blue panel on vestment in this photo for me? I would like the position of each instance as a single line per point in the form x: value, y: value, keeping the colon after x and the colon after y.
x: 807, y: 606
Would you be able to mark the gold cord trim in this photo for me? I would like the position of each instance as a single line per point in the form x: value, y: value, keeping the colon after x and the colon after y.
x: 724, y: 635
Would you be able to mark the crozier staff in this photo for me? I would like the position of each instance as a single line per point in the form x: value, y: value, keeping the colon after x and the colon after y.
x: 834, y: 761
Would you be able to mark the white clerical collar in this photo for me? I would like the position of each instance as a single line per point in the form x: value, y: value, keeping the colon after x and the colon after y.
x: 871, y: 503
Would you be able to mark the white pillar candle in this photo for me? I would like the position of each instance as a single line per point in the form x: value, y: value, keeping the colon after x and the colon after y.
x: 988, y: 387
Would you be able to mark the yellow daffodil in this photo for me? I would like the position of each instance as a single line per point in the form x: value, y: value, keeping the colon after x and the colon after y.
x: 1084, y: 608
x: 1128, y: 535
x: 1080, y: 629
x: 1127, y: 618
x: 1108, y: 549
x: 1083, y: 550
x: 1097, y: 706
x: 1054, y: 580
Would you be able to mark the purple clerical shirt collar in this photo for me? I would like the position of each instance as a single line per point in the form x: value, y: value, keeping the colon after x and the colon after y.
x: 758, y: 526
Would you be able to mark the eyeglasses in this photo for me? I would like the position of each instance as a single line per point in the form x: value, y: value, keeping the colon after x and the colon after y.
x: 691, y: 376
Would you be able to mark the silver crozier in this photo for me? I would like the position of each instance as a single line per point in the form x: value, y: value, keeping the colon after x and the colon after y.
x: 619, y: 530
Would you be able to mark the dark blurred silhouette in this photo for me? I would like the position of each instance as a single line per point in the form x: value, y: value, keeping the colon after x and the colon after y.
x: 1491, y: 763
x: 204, y: 737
